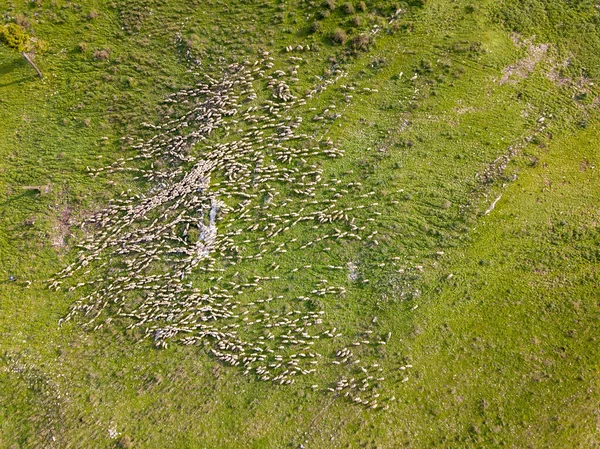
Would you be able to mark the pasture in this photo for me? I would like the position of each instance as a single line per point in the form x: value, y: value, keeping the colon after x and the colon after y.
x: 296, y: 223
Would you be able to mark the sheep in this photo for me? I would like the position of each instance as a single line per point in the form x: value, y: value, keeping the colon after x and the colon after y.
x: 193, y: 224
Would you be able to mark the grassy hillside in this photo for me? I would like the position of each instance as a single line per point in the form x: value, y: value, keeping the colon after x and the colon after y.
x: 466, y: 136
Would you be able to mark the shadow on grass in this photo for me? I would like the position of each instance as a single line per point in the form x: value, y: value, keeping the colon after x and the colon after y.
x: 8, y: 67
x: 17, y: 197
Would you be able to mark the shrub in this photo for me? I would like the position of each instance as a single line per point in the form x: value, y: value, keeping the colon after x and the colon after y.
x: 394, y: 28
x: 425, y: 66
x: 101, y: 55
x: 355, y: 21
x: 39, y: 45
x: 348, y: 8
x: 125, y: 442
x: 362, y: 6
x: 339, y: 36
x: 316, y: 26
x: 324, y: 14
x: 22, y: 21
x: 14, y: 36
x: 361, y: 42
x: 330, y: 4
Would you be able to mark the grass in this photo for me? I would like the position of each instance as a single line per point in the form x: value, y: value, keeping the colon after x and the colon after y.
x: 503, y: 351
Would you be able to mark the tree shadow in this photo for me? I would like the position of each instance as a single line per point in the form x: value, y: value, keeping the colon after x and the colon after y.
x: 18, y: 195
x: 8, y: 67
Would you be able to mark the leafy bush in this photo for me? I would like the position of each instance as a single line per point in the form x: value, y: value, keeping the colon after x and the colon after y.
x: 14, y: 36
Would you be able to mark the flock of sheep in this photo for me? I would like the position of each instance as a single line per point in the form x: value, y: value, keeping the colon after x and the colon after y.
x: 234, y: 186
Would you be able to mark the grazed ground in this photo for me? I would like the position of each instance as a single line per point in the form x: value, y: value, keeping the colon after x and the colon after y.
x: 362, y: 238
x: 525, y: 66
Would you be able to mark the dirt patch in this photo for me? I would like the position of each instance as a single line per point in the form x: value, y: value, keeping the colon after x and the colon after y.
x: 523, y: 67
x: 62, y: 229
x: 581, y: 84
x: 465, y: 110
x: 556, y: 76
x: 352, y: 271
x: 585, y: 165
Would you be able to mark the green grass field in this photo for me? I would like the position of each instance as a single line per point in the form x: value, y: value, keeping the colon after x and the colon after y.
x: 469, y: 133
